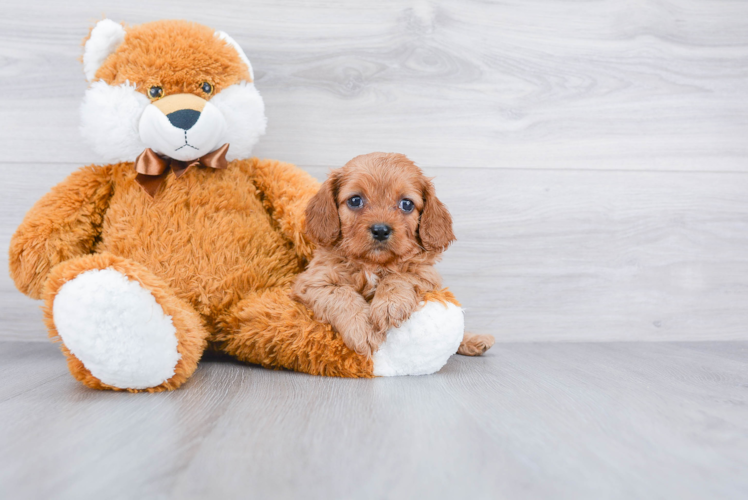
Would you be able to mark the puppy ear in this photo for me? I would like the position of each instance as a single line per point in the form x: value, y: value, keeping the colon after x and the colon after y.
x: 435, y: 229
x: 103, y: 40
x: 322, y: 220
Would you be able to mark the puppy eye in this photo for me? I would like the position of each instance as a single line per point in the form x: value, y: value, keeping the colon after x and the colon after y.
x: 207, y: 88
x: 406, y: 205
x: 355, y: 202
x: 155, y: 92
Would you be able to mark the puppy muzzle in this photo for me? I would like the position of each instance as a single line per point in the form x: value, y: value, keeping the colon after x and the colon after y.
x: 380, y: 232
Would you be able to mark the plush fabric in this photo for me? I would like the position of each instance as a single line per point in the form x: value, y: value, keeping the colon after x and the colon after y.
x: 137, y: 287
x: 188, y: 327
x: 102, y: 41
x: 107, y: 116
x: 423, y: 344
x: 117, y: 329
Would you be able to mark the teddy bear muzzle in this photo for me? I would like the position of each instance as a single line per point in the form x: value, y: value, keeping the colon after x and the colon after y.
x: 182, y: 126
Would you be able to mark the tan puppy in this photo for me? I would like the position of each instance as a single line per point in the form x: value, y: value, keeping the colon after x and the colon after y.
x: 380, y: 229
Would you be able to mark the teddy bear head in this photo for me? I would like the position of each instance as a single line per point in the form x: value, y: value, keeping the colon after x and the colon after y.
x: 179, y: 88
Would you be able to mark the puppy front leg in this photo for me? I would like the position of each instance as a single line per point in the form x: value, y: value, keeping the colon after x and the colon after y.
x: 345, y: 309
x: 394, y: 301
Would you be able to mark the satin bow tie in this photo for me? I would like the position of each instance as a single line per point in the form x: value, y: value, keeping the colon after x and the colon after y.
x: 152, y: 169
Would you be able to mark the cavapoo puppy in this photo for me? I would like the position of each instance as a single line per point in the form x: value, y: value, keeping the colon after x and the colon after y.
x: 379, y: 229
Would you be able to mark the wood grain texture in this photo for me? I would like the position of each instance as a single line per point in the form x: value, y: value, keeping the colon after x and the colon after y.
x: 532, y: 420
x: 593, y: 153
x: 540, y: 84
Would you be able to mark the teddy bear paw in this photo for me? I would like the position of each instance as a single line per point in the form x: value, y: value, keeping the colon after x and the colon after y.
x: 422, y: 344
x: 117, y: 330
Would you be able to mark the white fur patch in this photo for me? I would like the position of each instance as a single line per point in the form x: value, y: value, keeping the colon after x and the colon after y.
x: 117, y: 329
x: 372, y: 279
x: 222, y: 35
x: 423, y: 344
x: 205, y: 136
x: 116, y: 126
x: 109, y: 121
x: 244, y: 112
x: 105, y: 38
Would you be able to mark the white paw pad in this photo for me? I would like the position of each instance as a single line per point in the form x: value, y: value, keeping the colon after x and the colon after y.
x: 423, y: 344
x: 117, y: 329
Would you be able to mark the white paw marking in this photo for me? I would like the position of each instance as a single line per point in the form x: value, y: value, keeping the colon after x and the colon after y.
x: 423, y: 344
x: 117, y: 329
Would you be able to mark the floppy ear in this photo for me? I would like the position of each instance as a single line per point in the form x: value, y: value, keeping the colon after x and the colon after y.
x: 222, y: 35
x: 322, y: 220
x: 435, y: 229
x: 103, y: 40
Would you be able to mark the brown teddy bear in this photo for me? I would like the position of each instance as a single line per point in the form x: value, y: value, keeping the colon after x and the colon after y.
x: 182, y: 240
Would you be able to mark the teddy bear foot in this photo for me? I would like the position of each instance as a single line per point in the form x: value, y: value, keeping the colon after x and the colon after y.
x: 115, y: 327
x: 423, y: 344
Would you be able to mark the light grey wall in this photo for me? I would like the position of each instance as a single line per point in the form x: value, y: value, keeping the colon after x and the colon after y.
x: 594, y: 154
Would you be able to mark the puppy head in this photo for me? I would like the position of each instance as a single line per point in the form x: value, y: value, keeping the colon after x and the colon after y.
x: 379, y: 207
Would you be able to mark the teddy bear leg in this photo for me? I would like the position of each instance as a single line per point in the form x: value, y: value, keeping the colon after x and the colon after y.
x: 423, y: 344
x: 270, y: 329
x: 121, y: 327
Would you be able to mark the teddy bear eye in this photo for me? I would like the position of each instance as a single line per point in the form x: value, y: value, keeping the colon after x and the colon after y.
x: 155, y: 92
x: 406, y: 205
x: 207, y: 88
x: 355, y: 202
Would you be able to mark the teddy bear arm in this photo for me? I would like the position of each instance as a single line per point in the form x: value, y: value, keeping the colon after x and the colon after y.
x: 287, y: 190
x: 65, y: 223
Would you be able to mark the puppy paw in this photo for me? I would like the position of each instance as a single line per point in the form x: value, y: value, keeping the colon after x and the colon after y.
x: 361, y: 337
x: 377, y: 338
x: 390, y: 314
x: 475, y: 345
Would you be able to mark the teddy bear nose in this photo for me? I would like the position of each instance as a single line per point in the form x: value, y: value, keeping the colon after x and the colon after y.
x: 184, y: 118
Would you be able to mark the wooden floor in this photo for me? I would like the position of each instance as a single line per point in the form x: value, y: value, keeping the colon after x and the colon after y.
x: 528, y: 420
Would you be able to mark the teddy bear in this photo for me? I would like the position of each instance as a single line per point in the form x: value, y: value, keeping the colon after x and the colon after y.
x: 179, y: 240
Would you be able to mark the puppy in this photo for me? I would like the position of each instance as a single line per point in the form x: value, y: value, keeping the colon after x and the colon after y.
x: 379, y: 229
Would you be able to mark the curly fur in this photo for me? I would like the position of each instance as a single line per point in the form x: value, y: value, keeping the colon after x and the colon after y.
x: 360, y: 285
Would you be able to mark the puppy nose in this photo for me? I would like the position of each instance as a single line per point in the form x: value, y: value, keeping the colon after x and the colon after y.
x: 184, y: 118
x: 381, y: 232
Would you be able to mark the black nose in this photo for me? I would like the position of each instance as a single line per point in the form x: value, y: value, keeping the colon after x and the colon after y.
x: 184, y: 118
x: 381, y: 232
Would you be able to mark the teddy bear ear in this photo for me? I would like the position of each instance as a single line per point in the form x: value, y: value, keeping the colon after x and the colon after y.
x: 104, y: 39
x: 222, y: 35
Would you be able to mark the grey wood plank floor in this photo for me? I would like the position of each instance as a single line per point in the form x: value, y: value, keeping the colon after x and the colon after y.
x: 528, y: 420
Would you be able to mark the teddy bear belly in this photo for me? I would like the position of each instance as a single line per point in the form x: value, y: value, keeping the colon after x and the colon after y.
x: 211, y: 258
